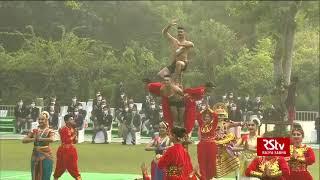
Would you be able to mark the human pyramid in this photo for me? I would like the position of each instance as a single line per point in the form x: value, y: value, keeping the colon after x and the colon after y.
x: 219, y: 151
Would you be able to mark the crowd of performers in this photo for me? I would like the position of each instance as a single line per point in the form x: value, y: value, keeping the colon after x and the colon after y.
x: 220, y: 153
x: 42, y: 159
x: 219, y: 150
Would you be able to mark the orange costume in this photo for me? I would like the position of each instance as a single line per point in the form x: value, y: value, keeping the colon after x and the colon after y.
x: 67, y: 157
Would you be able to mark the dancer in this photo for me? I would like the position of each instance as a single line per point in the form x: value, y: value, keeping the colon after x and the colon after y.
x: 227, y: 161
x: 41, y: 159
x: 179, y: 106
x: 180, y: 48
x: 301, y: 156
x: 268, y: 168
x: 159, y: 144
x: 247, y: 144
x: 67, y: 157
x: 207, y: 148
x: 176, y: 160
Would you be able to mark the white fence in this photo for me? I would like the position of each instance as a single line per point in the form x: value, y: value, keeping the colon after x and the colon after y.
x: 306, y: 115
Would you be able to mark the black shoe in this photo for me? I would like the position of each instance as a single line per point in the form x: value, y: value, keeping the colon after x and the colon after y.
x: 133, y: 142
x: 123, y: 143
x: 106, y: 142
x: 92, y: 142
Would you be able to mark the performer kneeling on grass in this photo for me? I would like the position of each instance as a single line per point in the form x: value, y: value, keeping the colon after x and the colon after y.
x: 41, y: 160
x: 67, y: 157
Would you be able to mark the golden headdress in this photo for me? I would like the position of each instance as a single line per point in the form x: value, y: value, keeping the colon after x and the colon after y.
x: 221, y: 110
x: 45, y: 114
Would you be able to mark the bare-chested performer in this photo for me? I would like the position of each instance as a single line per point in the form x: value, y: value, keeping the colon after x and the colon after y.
x: 180, y: 48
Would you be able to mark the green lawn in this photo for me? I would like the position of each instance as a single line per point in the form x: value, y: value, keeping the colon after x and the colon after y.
x: 103, y: 158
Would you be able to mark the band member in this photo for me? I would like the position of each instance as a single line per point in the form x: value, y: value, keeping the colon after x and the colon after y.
x: 67, y: 157
x: 207, y: 148
x: 41, y: 159
x: 159, y: 144
x: 301, y: 156
x: 180, y: 48
x: 176, y: 160
x: 179, y: 106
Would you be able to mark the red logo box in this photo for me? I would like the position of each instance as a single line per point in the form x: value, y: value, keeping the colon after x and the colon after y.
x: 273, y: 146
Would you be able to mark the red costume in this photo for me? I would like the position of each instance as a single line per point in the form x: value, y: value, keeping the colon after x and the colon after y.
x: 189, y: 101
x: 277, y: 165
x: 67, y: 157
x: 177, y: 163
x: 298, y: 165
x: 207, y: 148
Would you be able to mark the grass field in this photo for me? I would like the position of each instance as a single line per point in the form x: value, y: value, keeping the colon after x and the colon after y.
x: 94, y: 158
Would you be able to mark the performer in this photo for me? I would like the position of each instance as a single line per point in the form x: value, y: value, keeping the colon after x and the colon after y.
x: 227, y: 161
x: 179, y: 106
x: 301, y: 155
x: 180, y: 48
x: 159, y: 144
x: 41, y: 159
x: 268, y: 168
x: 247, y: 144
x: 207, y: 148
x: 176, y: 160
x: 67, y: 157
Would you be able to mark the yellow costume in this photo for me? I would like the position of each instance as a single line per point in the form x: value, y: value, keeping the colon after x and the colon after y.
x: 226, y: 160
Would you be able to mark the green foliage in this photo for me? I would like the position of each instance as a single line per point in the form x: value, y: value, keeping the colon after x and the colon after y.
x: 76, y: 48
x: 251, y: 73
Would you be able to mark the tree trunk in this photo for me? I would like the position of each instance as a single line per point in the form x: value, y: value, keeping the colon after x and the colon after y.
x: 289, y: 40
x: 283, y: 57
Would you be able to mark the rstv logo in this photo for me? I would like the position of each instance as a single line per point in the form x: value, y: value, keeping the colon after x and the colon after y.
x: 273, y: 147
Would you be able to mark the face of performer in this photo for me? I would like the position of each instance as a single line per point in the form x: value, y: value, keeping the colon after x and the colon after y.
x: 162, y: 129
x: 252, y: 127
x: 207, y: 118
x: 296, y: 137
x: 166, y: 81
x: 181, y: 34
x: 42, y: 121
x: 173, y: 138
